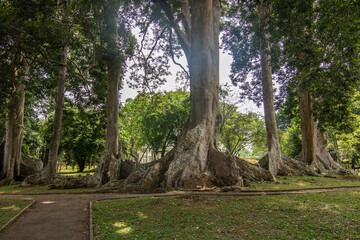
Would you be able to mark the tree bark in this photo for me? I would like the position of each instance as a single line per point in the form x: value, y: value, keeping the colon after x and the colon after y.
x: 314, y: 143
x: 189, y: 167
x: 2, y: 148
x: 195, y: 161
x: 336, y: 149
x: 274, y: 153
x: 14, y: 122
x: 56, y: 132
x: 110, y: 162
x: 307, y: 126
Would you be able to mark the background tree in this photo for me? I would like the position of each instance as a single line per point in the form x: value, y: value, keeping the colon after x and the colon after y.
x: 248, y: 37
x: 153, y: 121
x: 114, y: 56
x: 243, y: 131
x: 83, y: 137
x: 311, y: 43
x: 23, y: 44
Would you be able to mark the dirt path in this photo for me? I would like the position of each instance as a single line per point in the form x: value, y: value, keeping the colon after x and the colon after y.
x: 66, y: 216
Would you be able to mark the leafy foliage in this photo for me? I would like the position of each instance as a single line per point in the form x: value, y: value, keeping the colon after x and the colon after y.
x: 244, y: 131
x: 82, y: 135
x: 321, y: 47
x: 242, y: 38
x: 154, y: 121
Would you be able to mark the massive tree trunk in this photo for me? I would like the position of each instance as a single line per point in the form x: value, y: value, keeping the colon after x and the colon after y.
x: 110, y: 163
x: 273, y: 162
x: 14, y: 122
x: 56, y: 132
x: 195, y: 160
x: 189, y: 167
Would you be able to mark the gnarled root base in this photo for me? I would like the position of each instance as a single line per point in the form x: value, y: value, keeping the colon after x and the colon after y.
x: 70, y: 182
x: 328, y: 166
x: 221, y: 170
x: 29, y: 165
x: 39, y: 178
x: 290, y: 167
x: 298, y: 167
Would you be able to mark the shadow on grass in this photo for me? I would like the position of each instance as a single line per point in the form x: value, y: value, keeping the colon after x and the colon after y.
x: 10, y: 207
x: 311, y: 216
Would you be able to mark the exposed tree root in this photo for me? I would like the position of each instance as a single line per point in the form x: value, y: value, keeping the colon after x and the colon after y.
x: 290, y: 167
x: 39, y: 178
x: 221, y: 170
x: 28, y: 167
x: 69, y: 182
x: 298, y: 167
x: 323, y: 164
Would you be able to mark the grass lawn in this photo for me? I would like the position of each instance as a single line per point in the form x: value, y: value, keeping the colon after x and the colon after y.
x: 334, y: 215
x: 75, y: 172
x: 10, y: 207
x: 18, y: 189
x: 283, y: 183
x: 301, y: 182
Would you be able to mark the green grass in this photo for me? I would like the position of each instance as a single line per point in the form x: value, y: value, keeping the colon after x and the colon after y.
x: 283, y: 184
x: 10, y: 207
x: 18, y: 189
x: 334, y: 215
x: 75, y: 172
x: 303, y: 182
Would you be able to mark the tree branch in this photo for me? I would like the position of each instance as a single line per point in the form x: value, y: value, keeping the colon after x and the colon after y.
x: 173, y: 56
x: 183, y: 36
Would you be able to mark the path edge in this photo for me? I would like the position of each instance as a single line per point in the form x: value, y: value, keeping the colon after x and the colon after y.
x: 91, y: 226
x: 17, y: 215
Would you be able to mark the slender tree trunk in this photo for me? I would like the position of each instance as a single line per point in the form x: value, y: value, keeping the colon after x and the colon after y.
x: 2, y: 148
x: 56, y: 132
x: 111, y: 159
x: 14, y: 123
x: 307, y: 126
x: 336, y: 149
x: 274, y: 153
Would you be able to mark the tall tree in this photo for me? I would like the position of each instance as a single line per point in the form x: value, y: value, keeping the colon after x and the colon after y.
x: 15, y: 116
x: 274, y: 153
x: 252, y: 40
x: 195, y: 160
x: 114, y: 57
x: 56, y: 133
x: 316, y: 35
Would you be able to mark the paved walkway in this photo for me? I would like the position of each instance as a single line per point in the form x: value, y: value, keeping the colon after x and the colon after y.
x: 66, y: 216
